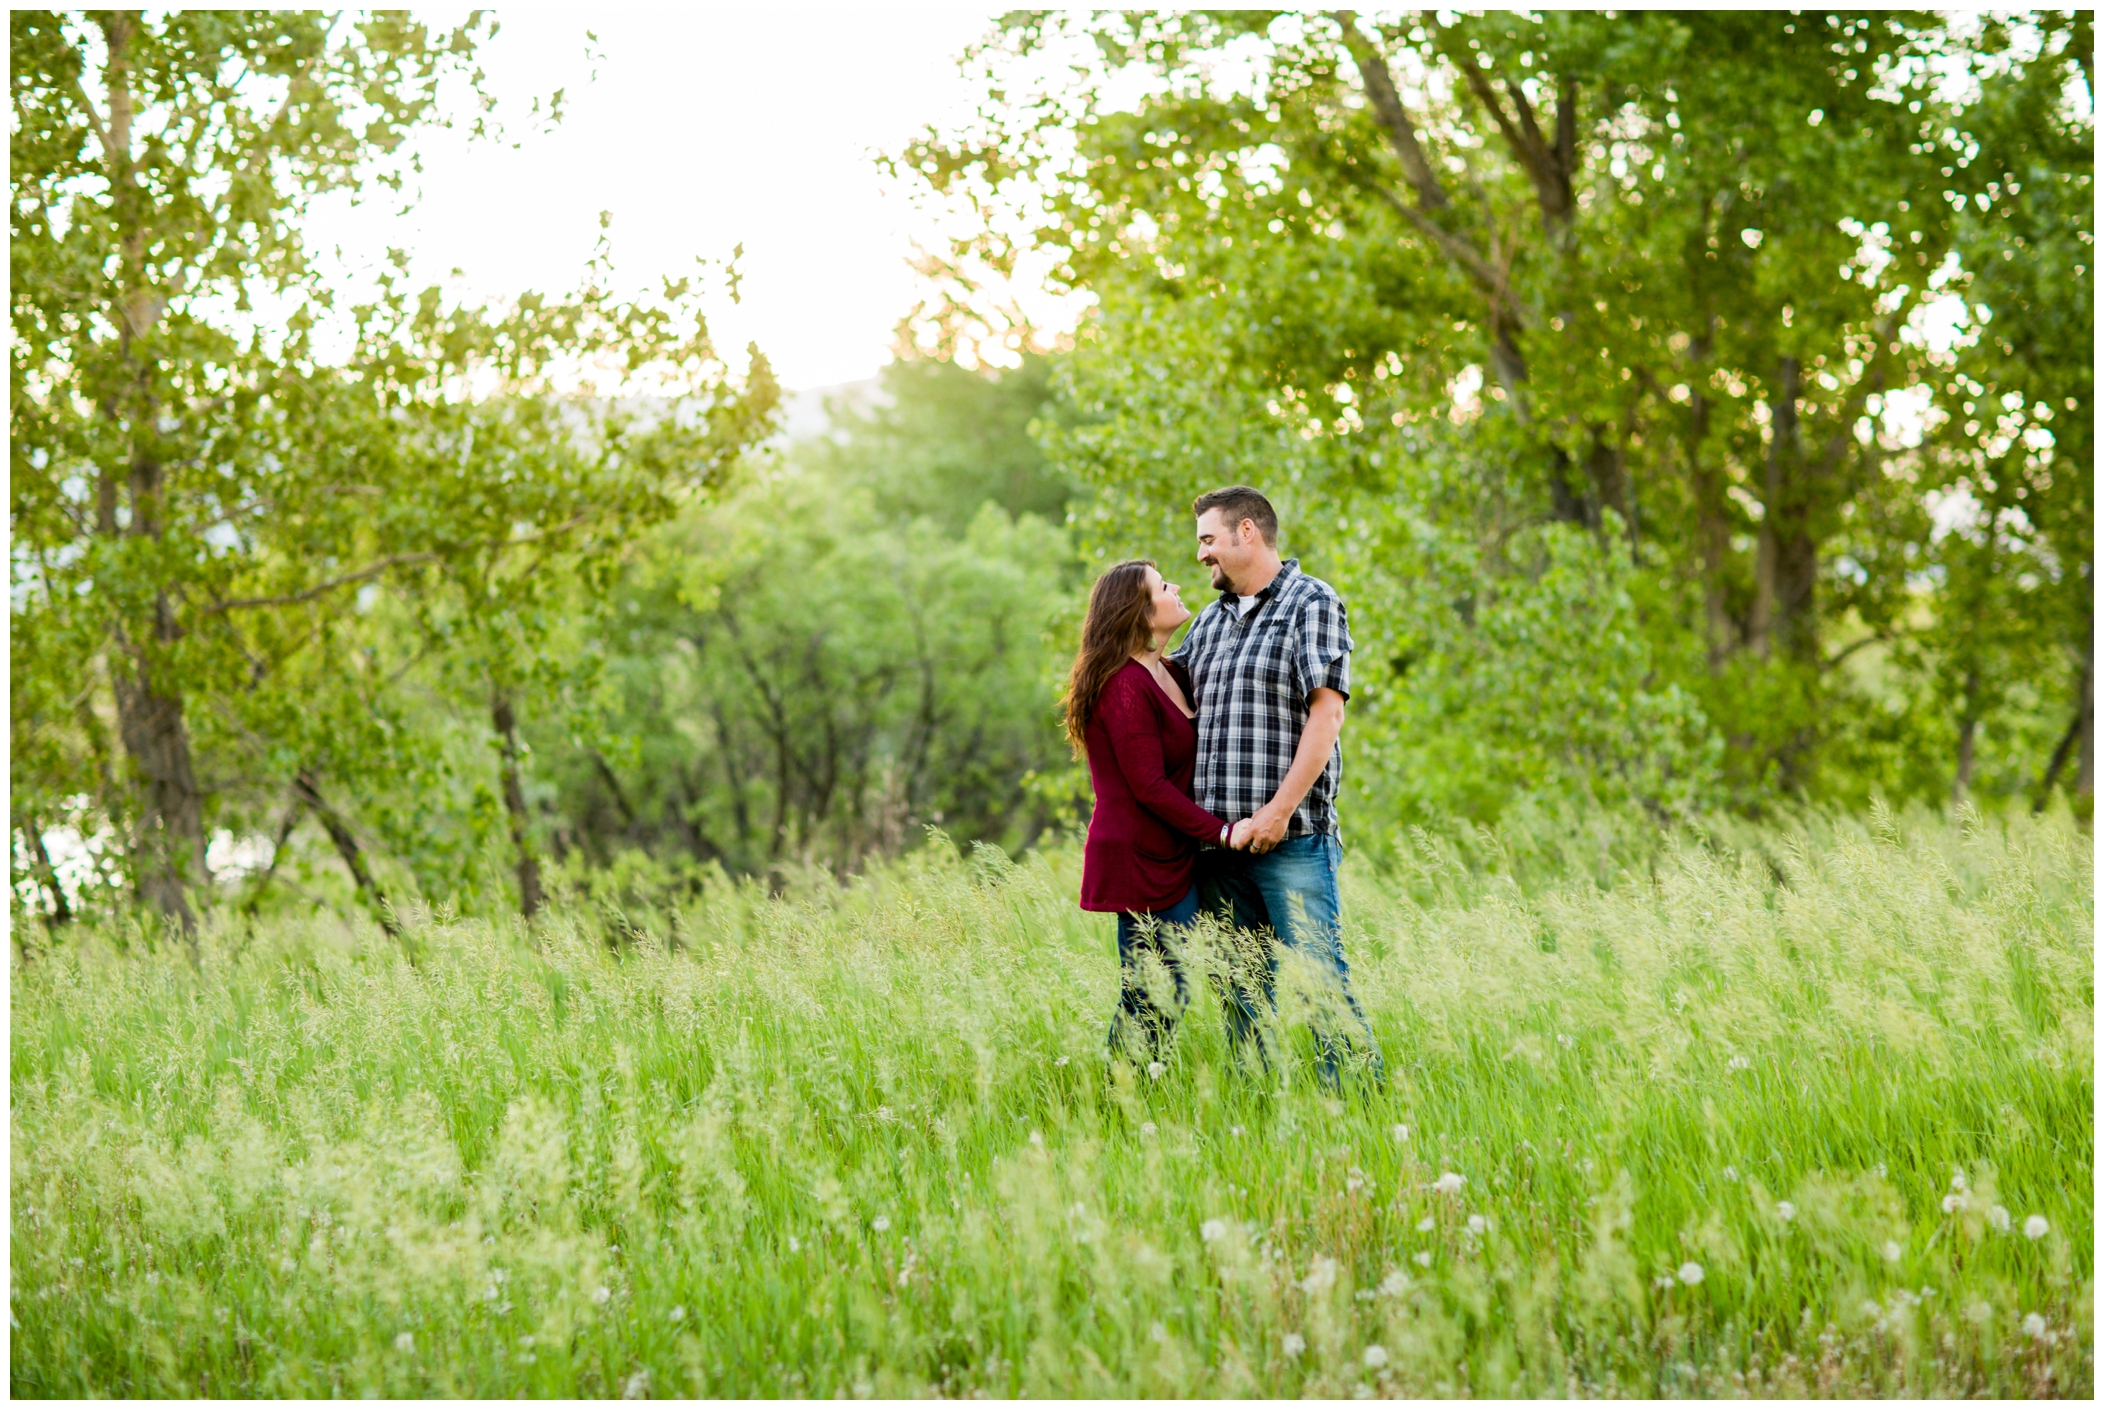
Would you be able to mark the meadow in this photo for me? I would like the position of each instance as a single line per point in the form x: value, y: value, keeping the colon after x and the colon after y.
x: 1802, y: 1110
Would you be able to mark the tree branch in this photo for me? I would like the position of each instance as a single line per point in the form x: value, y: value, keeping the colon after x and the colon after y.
x: 1388, y: 107
x: 372, y: 570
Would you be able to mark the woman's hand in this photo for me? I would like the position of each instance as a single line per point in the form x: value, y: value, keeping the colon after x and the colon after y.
x: 1239, y: 838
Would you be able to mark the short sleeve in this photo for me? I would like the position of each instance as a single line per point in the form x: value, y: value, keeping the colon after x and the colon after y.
x: 1323, y: 654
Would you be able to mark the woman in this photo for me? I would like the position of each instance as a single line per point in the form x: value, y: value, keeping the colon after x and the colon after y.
x: 1132, y: 713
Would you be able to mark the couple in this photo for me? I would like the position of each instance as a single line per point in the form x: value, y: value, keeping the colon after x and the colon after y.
x: 1215, y: 770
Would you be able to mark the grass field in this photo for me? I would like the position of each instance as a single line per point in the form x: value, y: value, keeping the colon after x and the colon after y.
x: 1809, y: 1113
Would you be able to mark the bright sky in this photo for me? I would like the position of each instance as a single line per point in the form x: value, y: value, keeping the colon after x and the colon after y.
x: 707, y: 126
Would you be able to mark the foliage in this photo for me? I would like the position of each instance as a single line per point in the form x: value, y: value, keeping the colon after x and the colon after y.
x: 209, y: 456
x: 795, y: 678
x: 1772, y: 1117
x: 1676, y: 279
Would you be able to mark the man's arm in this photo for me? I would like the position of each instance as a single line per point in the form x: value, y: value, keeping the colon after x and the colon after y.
x: 1267, y: 827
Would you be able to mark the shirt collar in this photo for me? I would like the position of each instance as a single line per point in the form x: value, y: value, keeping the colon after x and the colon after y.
x: 1286, y: 569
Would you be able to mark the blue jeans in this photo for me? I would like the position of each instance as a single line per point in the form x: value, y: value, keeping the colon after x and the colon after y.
x: 1288, y: 896
x: 1139, y: 1020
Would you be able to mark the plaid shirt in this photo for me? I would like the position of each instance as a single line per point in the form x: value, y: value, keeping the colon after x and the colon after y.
x: 1252, y: 677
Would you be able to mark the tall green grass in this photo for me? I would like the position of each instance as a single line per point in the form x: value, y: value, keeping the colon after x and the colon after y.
x: 1767, y: 1117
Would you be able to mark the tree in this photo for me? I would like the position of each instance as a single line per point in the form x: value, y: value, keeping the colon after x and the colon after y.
x: 199, y: 489
x: 1664, y: 277
x: 160, y: 166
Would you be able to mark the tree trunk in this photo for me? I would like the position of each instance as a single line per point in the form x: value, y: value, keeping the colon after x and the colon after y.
x: 308, y: 792
x: 1968, y: 732
x: 47, y: 875
x: 2080, y: 733
x: 529, y: 868
x: 2086, y: 769
x: 168, y: 846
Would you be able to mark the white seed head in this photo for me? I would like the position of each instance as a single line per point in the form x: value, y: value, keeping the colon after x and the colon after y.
x: 1477, y: 1224
x: 405, y: 1343
x: 601, y: 1296
x: 880, y: 1223
x: 1213, y: 1230
x: 1449, y: 1183
x: 1892, y: 1251
x: 1999, y: 1218
x: 1426, y: 1224
x: 678, y: 1314
x: 1374, y: 1356
x: 1293, y: 1344
x: 1691, y: 1273
x: 2034, y: 1325
x: 1156, y: 1069
x: 2035, y: 1227
x: 1147, y: 1128
x: 1401, y: 1132
x: 1785, y: 1211
x: 1422, y: 1259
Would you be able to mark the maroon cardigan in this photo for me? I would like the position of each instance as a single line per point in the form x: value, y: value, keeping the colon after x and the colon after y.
x: 1144, y: 832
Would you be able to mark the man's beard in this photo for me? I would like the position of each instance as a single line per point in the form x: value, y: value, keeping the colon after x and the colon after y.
x: 1220, y: 580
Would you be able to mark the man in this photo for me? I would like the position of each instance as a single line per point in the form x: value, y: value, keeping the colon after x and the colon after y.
x: 1271, y: 665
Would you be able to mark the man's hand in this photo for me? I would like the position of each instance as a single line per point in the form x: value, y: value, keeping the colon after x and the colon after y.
x: 1266, y: 829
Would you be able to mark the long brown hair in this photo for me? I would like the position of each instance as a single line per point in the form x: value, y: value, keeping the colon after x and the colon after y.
x: 1119, y: 622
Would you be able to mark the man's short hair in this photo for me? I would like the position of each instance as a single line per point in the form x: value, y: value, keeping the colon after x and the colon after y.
x: 1239, y: 502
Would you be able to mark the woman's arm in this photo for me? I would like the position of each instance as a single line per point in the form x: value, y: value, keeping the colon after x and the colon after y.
x: 1136, y: 739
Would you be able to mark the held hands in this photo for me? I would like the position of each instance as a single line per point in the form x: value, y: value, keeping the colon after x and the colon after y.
x: 1261, y: 832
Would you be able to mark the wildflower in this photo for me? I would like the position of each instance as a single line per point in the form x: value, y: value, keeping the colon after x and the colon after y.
x: 1737, y: 1064
x: 1293, y: 1344
x: 880, y: 1223
x: 405, y: 1343
x: 526, y: 1340
x: 1422, y: 1259
x: 1953, y: 1203
x: 1958, y: 1180
x: 1322, y: 1276
x: 1892, y: 1251
x: 1156, y: 1069
x: 1731, y: 1172
x: 1213, y: 1230
x: 883, y: 1113
x: 1564, y: 1038
x: 1979, y: 1314
x: 2034, y: 1325
x: 1147, y: 1128
x: 795, y: 1244
x: 1062, y: 1061
x: 636, y: 1387
x: 1402, y: 1132
x: 678, y: 1314
x: 1449, y: 1183
x: 1234, y: 1130
x: 1999, y: 1218
x: 1424, y: 1225
x: 1355, y: 1181
x: 1691, y: 1273
x: 602, y: 1295
x: 1871, y: 1309
x: 1477, y: 1224
x: 1037, y: 1139
x: 1785, y: 1211
x: 1662, y: 1283
x: 1374, y: 1356
x: 1395, y: 1284
x: 2035, y: 1227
